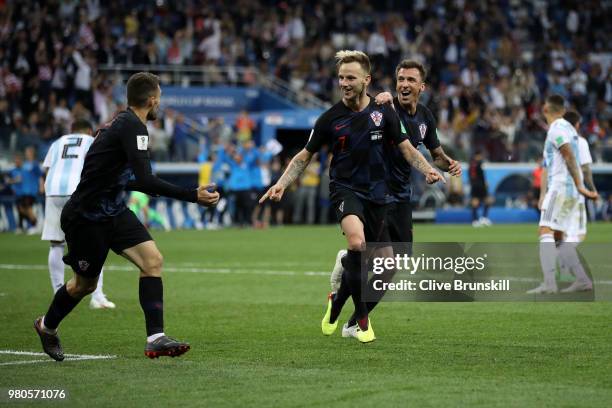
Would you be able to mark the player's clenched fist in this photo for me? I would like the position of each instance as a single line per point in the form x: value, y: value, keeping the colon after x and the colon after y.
x: 274, y: 193
x: 433, y: 176
x: 207, y: 195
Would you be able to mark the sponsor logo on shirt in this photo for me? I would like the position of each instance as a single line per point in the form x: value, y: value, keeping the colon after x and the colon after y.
x: 142, y: 141
x: 376, y: 135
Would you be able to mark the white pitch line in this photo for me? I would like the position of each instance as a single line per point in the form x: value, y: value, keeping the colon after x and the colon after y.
x: 69, y: 357
x: 188, y: 269
x: 177, y: 269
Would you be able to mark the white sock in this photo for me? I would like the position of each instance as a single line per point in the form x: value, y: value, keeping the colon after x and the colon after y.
x: 548, y: 258
x: 154, y: 337
x: 56, y: 266
x: 567, y: 253
x: 98, y: 294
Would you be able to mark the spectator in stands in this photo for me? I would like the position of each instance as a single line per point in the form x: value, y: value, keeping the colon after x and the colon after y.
x: 606, y: 209
x: 244, y: 126
x: 159, y: 141
x: 26, y: 181
x: 306, y: 194
x: 260, y: 176
x: 6, y: 124
x: 505, y: 55
x: 239, y: 186
x: 180, y: 139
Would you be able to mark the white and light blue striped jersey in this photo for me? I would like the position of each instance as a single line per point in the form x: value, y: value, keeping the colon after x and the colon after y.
x: 559, y: 133
x: 584, y: 157
x: 64, y: 162
x: 584, y: 154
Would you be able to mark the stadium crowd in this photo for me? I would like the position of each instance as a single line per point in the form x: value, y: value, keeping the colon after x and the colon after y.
x: 490, y: 64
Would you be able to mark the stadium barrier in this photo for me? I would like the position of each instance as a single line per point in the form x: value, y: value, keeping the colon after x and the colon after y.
x: 509, y: 183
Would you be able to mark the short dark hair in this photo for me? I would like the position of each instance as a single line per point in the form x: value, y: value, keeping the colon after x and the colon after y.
x: 407, y: 64
x: 556, y: 103
x: 140, y: 87
x: 80, y: 125
x: 572, y: 117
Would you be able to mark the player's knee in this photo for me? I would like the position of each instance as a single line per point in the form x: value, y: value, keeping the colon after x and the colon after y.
x: 153, y: 264
x: 356, y: 242
x: 79, y: 288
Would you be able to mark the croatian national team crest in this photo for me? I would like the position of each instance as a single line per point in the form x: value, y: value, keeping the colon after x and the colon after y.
x: 423, y: 130
x: 376, y: 117
x: 83, y: 265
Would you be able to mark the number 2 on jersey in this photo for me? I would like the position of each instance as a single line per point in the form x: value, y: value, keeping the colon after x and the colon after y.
x: 74, y: 143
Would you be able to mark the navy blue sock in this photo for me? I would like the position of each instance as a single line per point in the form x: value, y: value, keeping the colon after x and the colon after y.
x: 151, y: 292
x: 353, y: 266
x: 61, y: 305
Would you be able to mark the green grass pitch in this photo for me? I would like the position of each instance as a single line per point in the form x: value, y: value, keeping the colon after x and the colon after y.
x: 250, y: 303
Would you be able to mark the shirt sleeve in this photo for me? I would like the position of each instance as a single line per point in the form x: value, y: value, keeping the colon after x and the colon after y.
x: 135, y: 145
x: 431, y: 140
x: 394, y: 131
x: 319, y: 135
x: 559, y: 137
x: 584, y: 155
x: 48, y: 162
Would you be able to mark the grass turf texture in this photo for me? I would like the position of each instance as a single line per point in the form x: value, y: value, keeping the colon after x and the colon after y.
x: 252, y: 315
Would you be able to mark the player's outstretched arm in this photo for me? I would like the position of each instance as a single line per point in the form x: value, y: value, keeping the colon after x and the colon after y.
x: 417, y: 161
x: 445, y: 163
x: 296, y: 167
x: 572, y: 167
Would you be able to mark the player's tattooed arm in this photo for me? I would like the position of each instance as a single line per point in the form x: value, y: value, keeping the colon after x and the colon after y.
x: 588, y: 177
x: 572, y: 167
x: 445, y: 163
x: 418, y: 162
x: 295, y: 168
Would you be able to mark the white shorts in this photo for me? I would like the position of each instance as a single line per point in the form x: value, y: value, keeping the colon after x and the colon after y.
x: 52, y: 230
x: 557, y: 210
x: 578, y: 222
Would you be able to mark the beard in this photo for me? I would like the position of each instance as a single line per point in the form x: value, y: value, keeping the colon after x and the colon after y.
x: 152, y: 114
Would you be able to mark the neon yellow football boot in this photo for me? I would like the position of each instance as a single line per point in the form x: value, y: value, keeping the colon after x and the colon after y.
x: 365, y: 336
x: 326, y: 327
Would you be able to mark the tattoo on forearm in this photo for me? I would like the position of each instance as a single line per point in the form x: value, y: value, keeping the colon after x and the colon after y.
x: 588, y: 178
x: 295, y: 168
x: 417, y: 161
x: 442, y: 163
x: 573, y: 169
x: 441, y: 160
